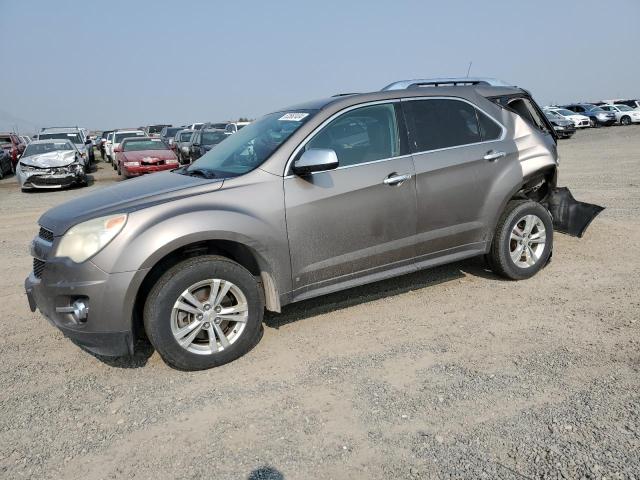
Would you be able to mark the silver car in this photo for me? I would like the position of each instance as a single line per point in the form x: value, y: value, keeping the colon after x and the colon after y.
x: 50, y: 164
x: 305, y: 201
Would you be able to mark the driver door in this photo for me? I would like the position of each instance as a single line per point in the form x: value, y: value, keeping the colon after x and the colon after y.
x: 351, y: 225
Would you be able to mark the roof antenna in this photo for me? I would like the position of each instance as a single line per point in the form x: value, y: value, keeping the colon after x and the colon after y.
x: 469, y: 68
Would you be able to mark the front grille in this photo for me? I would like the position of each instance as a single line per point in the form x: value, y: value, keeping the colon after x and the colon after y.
x: 38, y: 267
x: 46, y: 234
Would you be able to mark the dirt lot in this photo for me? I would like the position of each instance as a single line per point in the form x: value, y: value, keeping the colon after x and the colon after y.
x: 449, y: 373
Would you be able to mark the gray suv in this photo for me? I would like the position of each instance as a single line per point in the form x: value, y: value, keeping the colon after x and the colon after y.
x: 305, y: 201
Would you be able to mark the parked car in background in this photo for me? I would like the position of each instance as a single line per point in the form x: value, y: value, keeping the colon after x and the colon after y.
x: 116, y: 138
x: 75, y: 135
x: 168, y: 133
x: 26, y: 139
x: 580, y: 121
x: 6, y: 167
x: 563, y: 127
x: 137, y: 156
x: 13, y: 145
x: 633, y: 103
x: 183, y: 145
x: 154, y: 130
x: 52, y: 163
x: 204, y: 140
x: 597, y: 116
x: 291, y: 208
x: 233, y: 127
x: 194, y: 126
x: 625, y: 115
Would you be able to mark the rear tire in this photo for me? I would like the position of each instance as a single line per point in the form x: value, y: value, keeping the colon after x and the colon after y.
x: 523, y: 240
x: 182, y: 303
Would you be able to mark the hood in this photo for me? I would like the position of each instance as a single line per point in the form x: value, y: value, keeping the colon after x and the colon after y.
x: 59, y: 158
x: 125, y: 197
x: 139, y: 155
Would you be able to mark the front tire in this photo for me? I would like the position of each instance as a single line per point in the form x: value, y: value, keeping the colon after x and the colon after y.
x: 523, y: 240
x: 625, y: 121
x: 204, y: 312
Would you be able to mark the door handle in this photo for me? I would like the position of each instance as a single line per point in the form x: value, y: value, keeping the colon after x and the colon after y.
x: 395, y: 179
x: 492, y: 155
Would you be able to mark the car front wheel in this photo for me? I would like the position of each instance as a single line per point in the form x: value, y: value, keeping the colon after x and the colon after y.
x: 523, y: 240
x: 204, y: 312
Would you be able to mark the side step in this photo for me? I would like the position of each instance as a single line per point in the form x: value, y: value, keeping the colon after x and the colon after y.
x: 569, y: 215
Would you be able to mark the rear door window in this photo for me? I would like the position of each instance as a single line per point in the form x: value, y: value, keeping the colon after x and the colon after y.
x: 444, y: 123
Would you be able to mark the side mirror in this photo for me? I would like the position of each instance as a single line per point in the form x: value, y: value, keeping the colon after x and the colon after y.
x: 316, y: 160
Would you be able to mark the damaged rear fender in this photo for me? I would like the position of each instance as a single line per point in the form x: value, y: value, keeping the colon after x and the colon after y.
x: 569, y: 215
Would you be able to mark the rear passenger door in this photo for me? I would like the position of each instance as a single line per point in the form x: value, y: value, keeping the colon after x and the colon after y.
x: 459, y: 153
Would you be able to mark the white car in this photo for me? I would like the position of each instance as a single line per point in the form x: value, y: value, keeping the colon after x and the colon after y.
x: 74, y: 134
x: 114, y: 139
x: 54, y: 163
x: 580, y: 121
x: 625, y: 115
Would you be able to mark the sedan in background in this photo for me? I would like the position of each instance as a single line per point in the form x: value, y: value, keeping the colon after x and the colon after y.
x: 580, y: 121
x: 563, y: 127
x: 597, y: 116
x: 203, y: 141
x: 140, y: 155
x: 54, y: 163
x: 114, y: 142
x: 13, y: 145
x: 625, y: 115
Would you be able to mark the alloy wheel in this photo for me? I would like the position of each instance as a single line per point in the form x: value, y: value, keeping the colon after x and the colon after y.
x: 209, y: 316
x: 527, y: 241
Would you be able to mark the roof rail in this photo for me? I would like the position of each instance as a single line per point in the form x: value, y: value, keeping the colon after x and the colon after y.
x: 445, y: 82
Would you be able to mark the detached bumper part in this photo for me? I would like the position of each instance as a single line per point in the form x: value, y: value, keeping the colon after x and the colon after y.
x: 569, y: 215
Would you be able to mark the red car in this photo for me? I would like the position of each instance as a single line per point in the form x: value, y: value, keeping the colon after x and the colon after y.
x: 13, y: 145
x: 139, y: 155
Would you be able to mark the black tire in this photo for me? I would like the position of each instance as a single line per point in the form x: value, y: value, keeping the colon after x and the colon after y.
x: 625, y: 120
x: 169, y: 287
x: 594, y: 122
x: 118, y: 169
x: 499, y: 256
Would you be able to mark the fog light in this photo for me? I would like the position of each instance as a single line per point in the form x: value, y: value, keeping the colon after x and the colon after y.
x: 79, y: 311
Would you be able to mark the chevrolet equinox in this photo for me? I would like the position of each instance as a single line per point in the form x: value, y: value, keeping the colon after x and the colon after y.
x: 305, y: 201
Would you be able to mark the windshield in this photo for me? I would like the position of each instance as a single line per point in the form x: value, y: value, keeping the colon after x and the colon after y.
x: 565, y: 112
x: 624, y: 108
x: 155, y: 128
x: 553, y: 115
x: 594, y: 109
x: 134, y: 145
x: 121, y: 136
x: 73, y: 137
x: 212, y: 138
x: 249, y: 148
x: 170, y: 132
x: 40, y: 148
x: 185, y: 136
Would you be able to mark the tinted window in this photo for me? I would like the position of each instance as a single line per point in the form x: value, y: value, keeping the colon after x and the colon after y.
x: 362, y: 135
x: 489, y: 129
x: 440, y: 123
x: 526, y: 109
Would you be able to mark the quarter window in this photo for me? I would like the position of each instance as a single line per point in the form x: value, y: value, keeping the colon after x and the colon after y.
x: 489, y: 129
x: 361, y: 135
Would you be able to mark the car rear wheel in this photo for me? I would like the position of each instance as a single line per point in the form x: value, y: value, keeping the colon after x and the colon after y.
x: 523, y: 240
x: 625, y: 120
x: 594, y: 122
x: 204, y: 312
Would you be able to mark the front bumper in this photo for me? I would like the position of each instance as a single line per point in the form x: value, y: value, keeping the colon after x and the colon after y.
x: 55, y: 284
x: 144, y: 169
x: 35, y: 179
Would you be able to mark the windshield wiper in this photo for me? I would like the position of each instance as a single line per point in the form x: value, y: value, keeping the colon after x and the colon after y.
x: 200, y: 172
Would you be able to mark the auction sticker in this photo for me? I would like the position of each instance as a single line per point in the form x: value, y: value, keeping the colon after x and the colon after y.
x: 293, y: 116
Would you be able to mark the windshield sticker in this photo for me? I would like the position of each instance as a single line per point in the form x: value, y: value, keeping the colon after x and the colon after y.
x: 293, y: 117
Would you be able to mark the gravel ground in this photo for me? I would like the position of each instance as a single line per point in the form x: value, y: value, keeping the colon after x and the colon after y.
x: 447, y: 373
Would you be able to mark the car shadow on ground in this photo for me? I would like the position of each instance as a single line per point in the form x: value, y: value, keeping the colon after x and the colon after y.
x: 375, y: 291
x: 331, y: 303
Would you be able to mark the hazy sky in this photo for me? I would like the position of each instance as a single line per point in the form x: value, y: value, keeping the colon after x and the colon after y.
x: 115, y: 63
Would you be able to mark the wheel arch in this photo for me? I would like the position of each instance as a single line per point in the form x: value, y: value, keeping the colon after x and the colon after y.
x: 233, y: 249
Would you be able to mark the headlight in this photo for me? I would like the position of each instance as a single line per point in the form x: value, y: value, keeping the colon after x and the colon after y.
x: 88, y: 238
x: 131, y: 164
